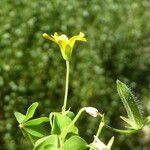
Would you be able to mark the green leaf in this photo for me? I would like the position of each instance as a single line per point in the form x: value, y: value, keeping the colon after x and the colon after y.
x: 37, y: 121
x: 75, y: 143
x: 147, y: 120
x: 61, y: 122
x: 126, y: 120
x: 130, y: 105
x: 19, y: 116
x: 28, y: 136
x: 47, y: 143
x: 70, y: 114
x: 36, y: 127
x: 30, y: 111
x: 37, y: 131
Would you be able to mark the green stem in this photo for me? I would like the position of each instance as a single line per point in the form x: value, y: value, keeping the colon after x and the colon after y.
x: 63, y: 135
x: 101, y: 125
x: 120, y: 130
x: 66, y: 88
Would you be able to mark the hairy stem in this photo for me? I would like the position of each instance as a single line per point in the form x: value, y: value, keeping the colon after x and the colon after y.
x: 128, y: 131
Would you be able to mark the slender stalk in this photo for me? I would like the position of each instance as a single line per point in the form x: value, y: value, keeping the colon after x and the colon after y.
x: 129, y: 131
x: 101, y: 125
x: 66, y: 88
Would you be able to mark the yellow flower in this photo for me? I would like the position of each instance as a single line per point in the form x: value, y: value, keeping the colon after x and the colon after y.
x: 66, y: 45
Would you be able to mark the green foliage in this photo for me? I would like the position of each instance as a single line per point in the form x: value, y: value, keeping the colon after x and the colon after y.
x: 118, y: 47
x: 47, y: 143
x: 147, y: 120
x: 75, y: 142
x: 134, y: 117
x: 32, y: 128
x: 60, y: 122
x: 19, y: 116
x: 29, y: 114
x: 35, y: 126
x: 62, y: 125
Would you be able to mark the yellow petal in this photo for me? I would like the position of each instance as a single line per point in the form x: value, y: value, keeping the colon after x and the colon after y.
x: 79, y: 37
x: 46, y: 36
x: 81, y: 34
x: 55, y: 36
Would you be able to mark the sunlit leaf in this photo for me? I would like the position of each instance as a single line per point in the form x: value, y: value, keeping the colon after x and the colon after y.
x: 36, y: 127
x: 37, y: 121
x: 75, y: 143
x: 19, y: 116
x: 30, y: 111
x: 47, y: 143
x: 37, y: 131
x: 70, y: 114
x: 61, y: 122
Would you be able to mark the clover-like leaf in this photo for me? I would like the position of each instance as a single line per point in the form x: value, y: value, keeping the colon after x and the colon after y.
x: 61, y: 122
x: 30, y: 111
x: 36, y: 127
x: 47, y: 143
x: 37, y: 121
x: 134, y: 117
x: 75, y: 143
x: 19, y: 116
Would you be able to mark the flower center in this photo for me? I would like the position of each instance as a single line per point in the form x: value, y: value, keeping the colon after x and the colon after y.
x: 63, y: 37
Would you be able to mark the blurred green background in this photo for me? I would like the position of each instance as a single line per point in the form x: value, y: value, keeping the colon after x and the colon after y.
x: 32, y: 69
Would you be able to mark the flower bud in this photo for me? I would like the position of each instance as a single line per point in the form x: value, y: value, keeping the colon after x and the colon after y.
x: 92, y: 111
